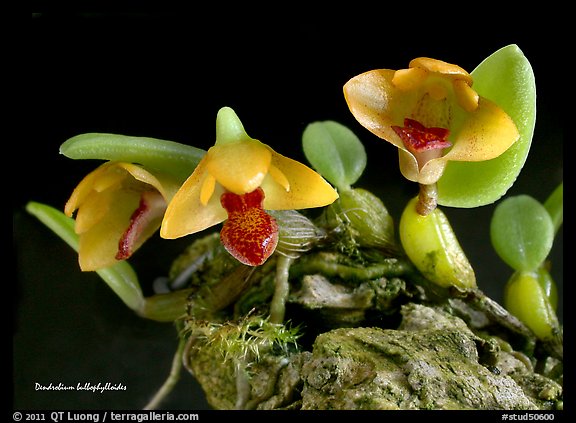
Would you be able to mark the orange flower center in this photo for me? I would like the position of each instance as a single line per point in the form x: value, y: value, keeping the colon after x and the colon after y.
x: 249, y: 234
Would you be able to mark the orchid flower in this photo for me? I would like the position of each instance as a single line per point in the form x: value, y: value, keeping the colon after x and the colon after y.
x: 118, y: 206
x: 236, y: 181
x: 432, y: 114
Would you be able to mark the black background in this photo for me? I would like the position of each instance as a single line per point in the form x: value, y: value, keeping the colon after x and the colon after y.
x: 165, y: 75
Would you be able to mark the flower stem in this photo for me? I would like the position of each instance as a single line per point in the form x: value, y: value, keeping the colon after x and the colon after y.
x: 389, y: 268
x: 165, y: 307
x: 242, y: 384
x: 278, y: 304
x: 427, y: 199
x: 172, y: 379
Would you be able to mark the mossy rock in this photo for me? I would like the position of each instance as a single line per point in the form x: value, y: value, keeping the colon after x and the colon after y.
x: 431, y: 361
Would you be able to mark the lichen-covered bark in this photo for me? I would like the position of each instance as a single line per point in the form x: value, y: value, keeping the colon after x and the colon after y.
x: 418, y: 366
x: 432, y: 361
x: 362, y: 330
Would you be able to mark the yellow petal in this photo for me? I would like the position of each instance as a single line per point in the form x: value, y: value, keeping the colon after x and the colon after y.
x: 186, y: 214
x: 142, y: 175
x: 377, y: 104
x: 99, y: 245
x: 307, y: 188
x: 279, y: 177
x: 111, y: 175
x: 430, y: 172
x: 409, y: 79
x: 83, y: 189
x: 484, y: 135
x: 169, y: 184
x: 106, y: 199
x: 93, y: 210
x: 207, y: 189
x: 239, y: 167
x: 439, y: 66
x: 408, y: 165
x: 467, y: 98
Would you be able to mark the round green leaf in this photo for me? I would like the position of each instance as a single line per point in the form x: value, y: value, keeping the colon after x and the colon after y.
x: 522, y: 232
x: 506, y: 78
x: 335, y: 152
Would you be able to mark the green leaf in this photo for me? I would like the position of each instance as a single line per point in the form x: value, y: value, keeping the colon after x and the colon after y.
x: 507, y: 79
x: 522, y: 232
x: 555, y: 206
x: 120, y: 277
x: 55, y: 220
x: 335, y: 152
x: 176, y: 159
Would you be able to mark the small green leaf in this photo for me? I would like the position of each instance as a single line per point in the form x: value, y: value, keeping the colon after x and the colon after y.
x: 554, y: 204
x: 506, y: 78
x: 171, y: 157
x: 335, y: 152
x: 120, y: 277
x: 522, y: 232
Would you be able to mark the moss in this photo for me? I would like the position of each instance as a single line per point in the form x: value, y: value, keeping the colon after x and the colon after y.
x: 373, y: 333
x: 419, y: 366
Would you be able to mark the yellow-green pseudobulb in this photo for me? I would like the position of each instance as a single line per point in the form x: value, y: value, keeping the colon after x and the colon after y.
x: 430, y: 243
x: 526, y: 298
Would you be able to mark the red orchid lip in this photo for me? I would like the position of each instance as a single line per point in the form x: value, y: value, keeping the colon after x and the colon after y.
x: 151, y: 208
x: 417, y: 138
x: 249, y: 234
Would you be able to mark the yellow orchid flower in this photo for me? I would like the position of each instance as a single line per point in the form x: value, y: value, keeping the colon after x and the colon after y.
x: 432, y: 114
x: 119, y: 206
x: 237, y: 179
